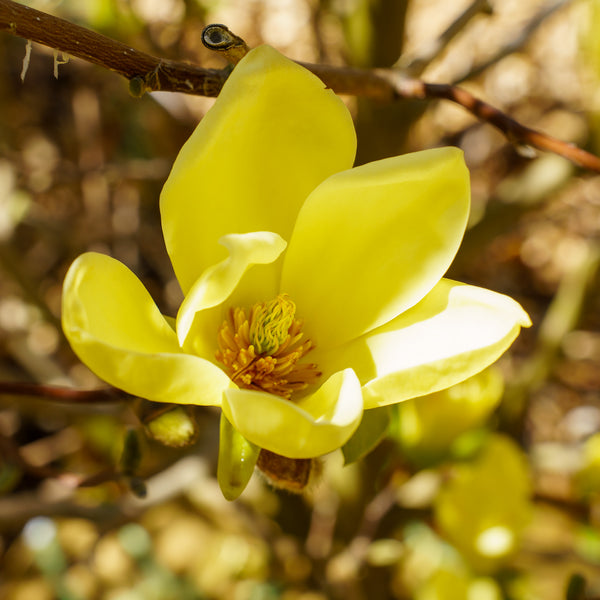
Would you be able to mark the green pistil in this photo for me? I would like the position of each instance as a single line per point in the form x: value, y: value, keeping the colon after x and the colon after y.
x: 270, y: 323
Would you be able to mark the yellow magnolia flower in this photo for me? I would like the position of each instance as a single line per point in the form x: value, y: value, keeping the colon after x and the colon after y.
x: 312, y: 290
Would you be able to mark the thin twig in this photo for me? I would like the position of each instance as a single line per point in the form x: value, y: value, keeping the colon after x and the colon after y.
x: 62, y: 394
x: 149, y: 73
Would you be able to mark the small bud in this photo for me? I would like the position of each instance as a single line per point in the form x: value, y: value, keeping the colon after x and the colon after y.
x: 175, y: 428
x: 218, y: 38
x: 137, y: 87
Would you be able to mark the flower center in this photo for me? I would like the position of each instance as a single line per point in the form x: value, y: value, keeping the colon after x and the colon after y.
x: 260, y: 348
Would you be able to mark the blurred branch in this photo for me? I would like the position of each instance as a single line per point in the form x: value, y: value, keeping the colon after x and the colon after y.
x: 62, y: 394
x: 11, y: 452
x: 149, y: 73
x: 17, y: 508
x: 415, y: 64
x: 11, y: 262
x: 518, y: 40
x: 344, y: 568
x: 561, y: 317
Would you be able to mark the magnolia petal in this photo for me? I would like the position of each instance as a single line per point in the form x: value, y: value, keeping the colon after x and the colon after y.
x: 313, y: 426
x: 369, y: 243
x: 218, y: 283
x: 454, y: 332
x: 272, y: 136
x: 116, y: 329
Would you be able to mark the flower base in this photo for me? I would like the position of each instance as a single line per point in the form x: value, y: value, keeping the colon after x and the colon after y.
x: 291, y: 474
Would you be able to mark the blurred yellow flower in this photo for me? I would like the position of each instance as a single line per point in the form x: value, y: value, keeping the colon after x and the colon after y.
x: 485, y: 506
x: 428, y: 427
x: 281, y: 249
x: 458, y: 584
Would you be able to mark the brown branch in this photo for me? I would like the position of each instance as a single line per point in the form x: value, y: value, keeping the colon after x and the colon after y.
x: 62, y: 394
x: 146, y: 71
x: 11, y: 452
x: 516, y: 132
x: 149, y: 73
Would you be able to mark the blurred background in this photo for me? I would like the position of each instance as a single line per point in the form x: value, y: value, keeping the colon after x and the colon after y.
x: 487, y: 491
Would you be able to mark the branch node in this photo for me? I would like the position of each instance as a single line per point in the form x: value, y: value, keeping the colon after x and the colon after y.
x: 149, y: 82
x: 219, y: 38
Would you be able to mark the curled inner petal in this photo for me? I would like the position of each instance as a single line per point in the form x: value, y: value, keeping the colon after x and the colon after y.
x: 260, y: 349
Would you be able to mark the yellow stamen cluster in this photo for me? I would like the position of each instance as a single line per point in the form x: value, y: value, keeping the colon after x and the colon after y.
x: 260, y: 349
